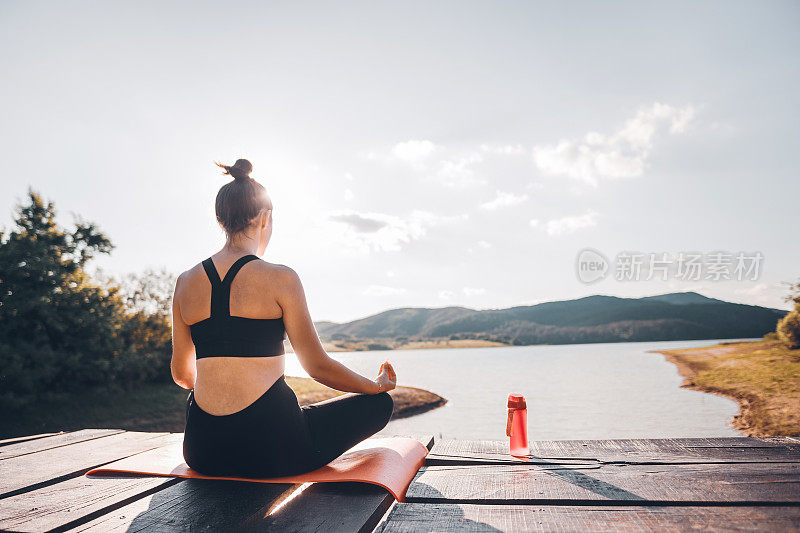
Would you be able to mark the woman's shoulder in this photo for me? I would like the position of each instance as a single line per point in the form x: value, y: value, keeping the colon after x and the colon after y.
x: 259, y: 270
x: 276, y: 272
x: 192, y: 272
x: 189, y: 277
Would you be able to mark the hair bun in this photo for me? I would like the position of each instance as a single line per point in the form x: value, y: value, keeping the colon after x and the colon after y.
x: 240, y: 170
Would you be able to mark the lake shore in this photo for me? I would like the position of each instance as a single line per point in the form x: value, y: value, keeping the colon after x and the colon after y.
x: 162, y: 407
x: 366, y: 345
x: 408, y: 401
x: 762, y: 376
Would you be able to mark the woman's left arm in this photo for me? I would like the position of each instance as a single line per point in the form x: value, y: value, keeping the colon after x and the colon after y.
x: 184, y: 363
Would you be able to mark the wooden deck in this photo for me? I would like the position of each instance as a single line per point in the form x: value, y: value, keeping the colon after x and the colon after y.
x: 618, y: 485
x: 725, y: 484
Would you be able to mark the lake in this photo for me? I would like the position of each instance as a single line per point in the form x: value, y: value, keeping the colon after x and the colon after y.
x: 578, y: 391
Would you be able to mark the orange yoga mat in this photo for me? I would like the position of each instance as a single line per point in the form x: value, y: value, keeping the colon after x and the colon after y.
x: 389, y: 462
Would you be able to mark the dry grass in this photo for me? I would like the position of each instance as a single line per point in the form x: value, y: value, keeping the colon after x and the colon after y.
x: 763, y: 376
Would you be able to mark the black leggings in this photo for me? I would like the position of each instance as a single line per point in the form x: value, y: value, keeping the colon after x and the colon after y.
x: 274, y: 436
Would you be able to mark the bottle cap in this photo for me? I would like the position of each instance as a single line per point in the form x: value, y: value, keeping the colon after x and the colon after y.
x: 516, y: 401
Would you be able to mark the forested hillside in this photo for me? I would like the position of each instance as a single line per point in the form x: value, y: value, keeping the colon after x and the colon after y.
x: 673, y: 316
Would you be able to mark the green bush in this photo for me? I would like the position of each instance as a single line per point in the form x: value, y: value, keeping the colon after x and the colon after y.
x: 789, y: 330
x: 60, y: 331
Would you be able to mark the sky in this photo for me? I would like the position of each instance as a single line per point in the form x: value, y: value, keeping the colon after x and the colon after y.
x: 421, y: 153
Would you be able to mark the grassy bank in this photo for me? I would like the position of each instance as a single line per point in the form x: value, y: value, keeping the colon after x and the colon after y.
x: 162, y: 407
x: 763, y: 376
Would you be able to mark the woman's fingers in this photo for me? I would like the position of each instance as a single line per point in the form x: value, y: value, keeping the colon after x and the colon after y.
x: 386, y: 368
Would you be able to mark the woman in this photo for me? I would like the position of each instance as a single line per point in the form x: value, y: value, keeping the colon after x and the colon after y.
x: 242, y: 419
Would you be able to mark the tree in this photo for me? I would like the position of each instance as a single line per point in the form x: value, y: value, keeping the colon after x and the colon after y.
x: 60, y: 330
x: 788, y: 329
x: 149, y: 292
x: 147, y: 333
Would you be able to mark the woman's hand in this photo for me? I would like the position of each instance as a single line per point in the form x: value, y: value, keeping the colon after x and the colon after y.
x: 387, y: 379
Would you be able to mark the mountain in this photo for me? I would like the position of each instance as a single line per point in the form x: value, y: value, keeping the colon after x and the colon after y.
x: 682, y: 298
x: 675, y: 316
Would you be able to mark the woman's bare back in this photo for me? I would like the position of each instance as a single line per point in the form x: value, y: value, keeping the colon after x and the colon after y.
x: 225, y: 385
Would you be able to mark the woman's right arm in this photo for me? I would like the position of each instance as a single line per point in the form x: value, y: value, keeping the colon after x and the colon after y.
x: 312, y: 356
x: 183, y: 364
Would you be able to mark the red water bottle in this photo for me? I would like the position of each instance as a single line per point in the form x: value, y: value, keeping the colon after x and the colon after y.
x: 517, y: 425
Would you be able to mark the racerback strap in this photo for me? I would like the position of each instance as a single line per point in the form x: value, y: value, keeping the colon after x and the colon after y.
x: 221, y: 290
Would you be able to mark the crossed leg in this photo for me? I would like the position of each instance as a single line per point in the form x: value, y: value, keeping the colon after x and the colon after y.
x: 338, y: 424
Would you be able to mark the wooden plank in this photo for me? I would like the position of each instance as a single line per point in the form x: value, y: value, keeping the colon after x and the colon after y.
x: 414, y: 517
x: 626, y: 451
x: 15, y: 440
x: 332, y: 507
x: 34, y: 470
x: 329, y: 507
x: 326, y: 507
x: 74, y: 500
x: 55, y: 441
x: 187, y: 505
x: 642, y: 484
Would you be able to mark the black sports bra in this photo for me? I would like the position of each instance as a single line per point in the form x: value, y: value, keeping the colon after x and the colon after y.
x: 223, y: 335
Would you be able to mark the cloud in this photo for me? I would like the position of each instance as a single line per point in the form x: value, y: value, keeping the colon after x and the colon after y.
x: 369, y: 156
x: 509, y: 149
x: 368, y: 223
x: 383, y: 232
x: 479, y: 247
x: 504, y: 199
x: 458, y: 171
x: 348, y: 195
x: 570, y: 224
x: 623, y: 154
x: 766, y: 294
x: 414, y: 151
x: 472, y: 291
x: 755, y: 290
x: 446, y: 166
x: 446, y: 295
x: 382, y: 290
